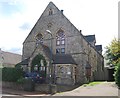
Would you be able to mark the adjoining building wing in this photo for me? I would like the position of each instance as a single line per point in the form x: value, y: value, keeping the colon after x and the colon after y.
x: 10, y: 59
x: 91, y: 39
x: 98, y: 47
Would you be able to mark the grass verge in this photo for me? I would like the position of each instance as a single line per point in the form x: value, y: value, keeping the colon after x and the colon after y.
x: 92, y: 83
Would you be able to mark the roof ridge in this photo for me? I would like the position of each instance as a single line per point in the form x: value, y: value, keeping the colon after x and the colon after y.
x: 11, y: 53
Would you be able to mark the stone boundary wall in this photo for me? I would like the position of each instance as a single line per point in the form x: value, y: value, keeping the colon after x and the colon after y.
x: 42, y: 88
x: 12, y: 85
x: 45, y: 88
x: 16, y: 86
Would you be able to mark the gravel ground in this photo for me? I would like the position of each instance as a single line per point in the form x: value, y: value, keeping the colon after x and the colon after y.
x: 102, y: 89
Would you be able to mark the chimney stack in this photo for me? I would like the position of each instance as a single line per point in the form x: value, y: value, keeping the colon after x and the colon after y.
x: 80, y: 31
x: 62, y: 11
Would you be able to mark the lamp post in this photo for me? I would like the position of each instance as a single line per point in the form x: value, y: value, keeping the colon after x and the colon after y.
x: 51, y: 76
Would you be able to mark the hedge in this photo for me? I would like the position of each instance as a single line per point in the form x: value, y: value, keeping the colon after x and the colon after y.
x: 0, y: 74
x: 11, y: 74
x: 117, y: 75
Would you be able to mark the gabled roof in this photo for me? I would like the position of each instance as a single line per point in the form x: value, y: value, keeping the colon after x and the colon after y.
x: 51, y: 4
x: 45, y: 49
x: 24, y: 62
x: 57, y: 59
x: 90, y: 38
x: 10, y: 58
x: 98, y: 47
x: 63, y: 59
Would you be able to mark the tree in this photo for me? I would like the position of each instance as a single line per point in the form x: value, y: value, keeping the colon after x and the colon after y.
x: 113, y: 56
x: 113, y: 52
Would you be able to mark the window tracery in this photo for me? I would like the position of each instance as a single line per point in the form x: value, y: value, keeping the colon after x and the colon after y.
x: 60, y: 38
x: 39, y: 38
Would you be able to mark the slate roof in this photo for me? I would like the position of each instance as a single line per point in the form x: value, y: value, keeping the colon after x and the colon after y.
x: 90, y: 38
x: 57, y: 58
x: 24, y: 62
x: 63, y: 59
x: 98, y: 47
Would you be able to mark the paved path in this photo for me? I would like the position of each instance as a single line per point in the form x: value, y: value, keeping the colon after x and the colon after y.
x: 102, y: 89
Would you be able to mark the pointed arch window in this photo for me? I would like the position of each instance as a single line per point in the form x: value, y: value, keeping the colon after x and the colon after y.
x: 60, y: 38
x: 39, y: 38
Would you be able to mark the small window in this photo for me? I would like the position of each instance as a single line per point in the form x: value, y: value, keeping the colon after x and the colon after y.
x: 62, y: 42
x: 38, y: 36
x: 50, y: 12
x: 57, y: 51
x: 62, y: 50
x: 58, y: 42
x: 49, y: 25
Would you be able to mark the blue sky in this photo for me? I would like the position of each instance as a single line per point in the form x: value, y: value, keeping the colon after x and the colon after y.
x: 8, y: 8
x: 17, y: 17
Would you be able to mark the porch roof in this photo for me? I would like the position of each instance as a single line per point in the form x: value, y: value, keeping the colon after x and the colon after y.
x: 63, y: 59
x: 24, y: 62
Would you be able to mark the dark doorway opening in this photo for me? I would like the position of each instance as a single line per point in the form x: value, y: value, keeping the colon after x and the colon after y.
x: 111, y: 74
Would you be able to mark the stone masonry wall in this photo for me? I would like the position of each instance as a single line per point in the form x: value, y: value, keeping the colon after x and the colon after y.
x: 75, y: 44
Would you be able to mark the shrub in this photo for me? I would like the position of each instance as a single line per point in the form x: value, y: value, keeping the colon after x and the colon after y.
x: 11, y: 74
x: 0, y: 74
x: 18, y: 66
x: 117, y: 75
x: 21, y: 80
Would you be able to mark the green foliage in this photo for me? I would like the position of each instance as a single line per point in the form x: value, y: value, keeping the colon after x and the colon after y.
x: 92, y: 83
x: 109, y: 56
x: 18, y: 66
x: 11, y: 74
x: 36, y: 61
x: 0, y: 74
x: 21, y: 80
x: 113, y: 56
x: 115, y: 46
x: 113, y: 52
x: 117, y: 75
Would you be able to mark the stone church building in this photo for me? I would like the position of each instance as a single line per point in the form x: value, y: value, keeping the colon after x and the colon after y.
x: 58, y: 49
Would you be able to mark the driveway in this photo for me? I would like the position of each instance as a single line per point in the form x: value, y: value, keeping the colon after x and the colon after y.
x: 102, y: 89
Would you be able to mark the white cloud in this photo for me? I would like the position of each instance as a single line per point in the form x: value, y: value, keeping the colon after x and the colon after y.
x: 92, y: 16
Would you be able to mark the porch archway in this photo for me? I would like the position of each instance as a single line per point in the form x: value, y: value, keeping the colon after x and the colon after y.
x: 38, y: 64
